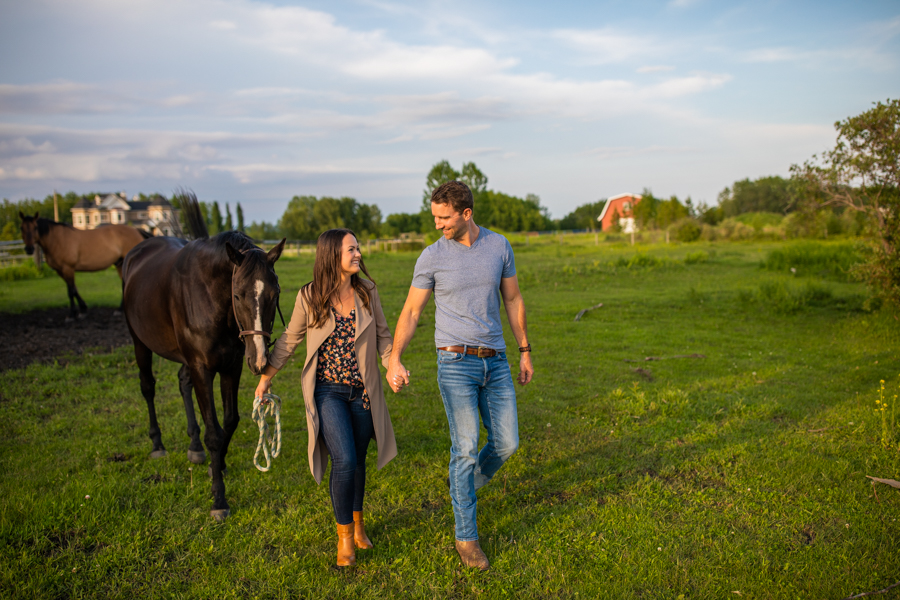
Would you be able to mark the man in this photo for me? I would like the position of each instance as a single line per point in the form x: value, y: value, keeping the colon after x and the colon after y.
x: 468, y: 269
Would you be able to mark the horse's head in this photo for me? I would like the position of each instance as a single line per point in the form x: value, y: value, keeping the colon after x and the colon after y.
x: 255, y: 294
x: 29, y: 231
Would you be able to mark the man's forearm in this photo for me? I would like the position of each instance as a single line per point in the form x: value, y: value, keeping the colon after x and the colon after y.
x: 406, y: 327
x: 515, y: 312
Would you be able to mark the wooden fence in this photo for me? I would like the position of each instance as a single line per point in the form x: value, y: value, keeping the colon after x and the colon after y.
x: 13, y: 253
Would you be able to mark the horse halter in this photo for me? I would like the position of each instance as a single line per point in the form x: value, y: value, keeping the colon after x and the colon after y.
x: 245, y: 332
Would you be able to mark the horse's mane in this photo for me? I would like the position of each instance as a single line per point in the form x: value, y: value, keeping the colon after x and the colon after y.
x: 44, y: 225
x: 196, y: 226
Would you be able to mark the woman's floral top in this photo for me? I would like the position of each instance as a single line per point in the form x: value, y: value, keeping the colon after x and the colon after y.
x: 337, y: 355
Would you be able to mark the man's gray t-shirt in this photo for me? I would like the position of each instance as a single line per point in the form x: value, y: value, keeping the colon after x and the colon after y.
x: 466, y: 284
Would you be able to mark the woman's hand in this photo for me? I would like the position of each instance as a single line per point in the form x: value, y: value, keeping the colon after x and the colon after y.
x: 265, y: 384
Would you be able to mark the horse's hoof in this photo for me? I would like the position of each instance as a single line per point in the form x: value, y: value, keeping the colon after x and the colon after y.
x: 220, y: 514
x: 198, y: 458
x: 158, y: 454
x: 224, y: 471
x: 81, y: 316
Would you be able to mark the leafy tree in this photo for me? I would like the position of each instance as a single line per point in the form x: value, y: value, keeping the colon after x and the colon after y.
x: 862, y: 174
x: 655, y: 213
x: 439, y: 174
x: 398, y: 223
x: 214, y: 221
x: 583, y: 217
x: 9, y: 211
x: 671, y: 210
x: 645, y: 211
x: 307, y: 216
x: 472, y: 176
x: 766, y: 194
x: 229, y: 224
x: 240, y: 216
x: 262, y: 231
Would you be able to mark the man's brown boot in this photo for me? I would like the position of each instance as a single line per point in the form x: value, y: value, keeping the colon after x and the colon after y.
x: 346, y: 554
x: 360, y: 538
x: 471, y: 555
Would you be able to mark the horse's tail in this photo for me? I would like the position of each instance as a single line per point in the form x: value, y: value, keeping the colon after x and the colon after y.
x: 147, y: 235
x: 193, y: 216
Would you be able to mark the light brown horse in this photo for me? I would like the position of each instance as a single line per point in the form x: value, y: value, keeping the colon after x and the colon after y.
x: 67, y: 249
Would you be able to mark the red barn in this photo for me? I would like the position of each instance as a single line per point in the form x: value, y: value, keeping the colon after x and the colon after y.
x: 619, y: 207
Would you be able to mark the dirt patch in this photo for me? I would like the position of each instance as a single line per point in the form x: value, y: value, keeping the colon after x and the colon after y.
x: 43, y: 335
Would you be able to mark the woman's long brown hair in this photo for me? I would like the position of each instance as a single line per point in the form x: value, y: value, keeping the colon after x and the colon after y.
x: 327, y: 276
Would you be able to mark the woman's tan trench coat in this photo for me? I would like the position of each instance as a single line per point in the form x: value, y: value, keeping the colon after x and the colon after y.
x: 373, y: 339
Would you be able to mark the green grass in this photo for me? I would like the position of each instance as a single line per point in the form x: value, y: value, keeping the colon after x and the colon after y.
x: 743, y: 471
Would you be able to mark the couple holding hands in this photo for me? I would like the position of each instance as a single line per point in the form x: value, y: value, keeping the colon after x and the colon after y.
x: 339, y: 314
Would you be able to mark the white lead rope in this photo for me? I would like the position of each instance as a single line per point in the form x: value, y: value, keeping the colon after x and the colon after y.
x: 270, y: 405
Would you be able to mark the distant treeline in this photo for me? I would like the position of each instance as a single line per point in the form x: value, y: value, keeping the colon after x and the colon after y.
x: 305, y: 217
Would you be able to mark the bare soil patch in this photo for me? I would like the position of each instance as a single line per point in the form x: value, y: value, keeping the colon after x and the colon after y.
x: 44, y: 336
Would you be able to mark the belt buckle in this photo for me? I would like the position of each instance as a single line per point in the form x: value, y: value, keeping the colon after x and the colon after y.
x: 486, y: 352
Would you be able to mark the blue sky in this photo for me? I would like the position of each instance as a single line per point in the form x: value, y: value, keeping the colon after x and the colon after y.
x: 255, y: 102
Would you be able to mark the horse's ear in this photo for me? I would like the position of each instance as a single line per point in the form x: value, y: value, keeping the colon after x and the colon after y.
x: 21, y: 215
x: 36, y: 216
x: 235, y: 256
x: 275, y: 253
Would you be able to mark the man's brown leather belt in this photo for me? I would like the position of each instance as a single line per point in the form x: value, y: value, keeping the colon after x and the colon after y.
x: 477, y: 351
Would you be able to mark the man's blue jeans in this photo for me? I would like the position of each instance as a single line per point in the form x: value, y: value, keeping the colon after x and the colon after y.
x: 347, y: 428
x: 472, y: 386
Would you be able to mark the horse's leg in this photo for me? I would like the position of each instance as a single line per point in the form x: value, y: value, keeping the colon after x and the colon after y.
x: 229, y: 382
x: 214, y: 437
x: 148, y: 388
x: 68, y: 276
x: 195, y: 451
x: 81, y: 304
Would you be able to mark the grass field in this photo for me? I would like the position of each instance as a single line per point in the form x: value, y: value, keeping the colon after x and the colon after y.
x: 741, y: 474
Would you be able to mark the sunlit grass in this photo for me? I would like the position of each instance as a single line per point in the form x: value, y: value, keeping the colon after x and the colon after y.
x: 743, y: 470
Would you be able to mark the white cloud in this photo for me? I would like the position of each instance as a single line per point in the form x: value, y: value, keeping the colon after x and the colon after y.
x: 604, y: 46
x: 611, y: 152
x: 223, y: 25
x: 655, y: 69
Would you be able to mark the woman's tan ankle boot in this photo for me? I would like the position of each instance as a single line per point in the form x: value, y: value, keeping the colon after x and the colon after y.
x: 346, y: 554
x: 360, y: 538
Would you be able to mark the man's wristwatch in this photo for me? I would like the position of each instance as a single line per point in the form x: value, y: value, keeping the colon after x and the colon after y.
x: 525, y: 348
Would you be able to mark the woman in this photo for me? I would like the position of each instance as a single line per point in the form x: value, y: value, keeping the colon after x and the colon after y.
x: 341, y: 318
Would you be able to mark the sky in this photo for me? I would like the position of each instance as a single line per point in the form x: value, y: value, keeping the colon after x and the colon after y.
x: 256, y: 102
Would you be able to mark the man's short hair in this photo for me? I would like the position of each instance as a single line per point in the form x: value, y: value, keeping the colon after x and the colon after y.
x: 456, y: 194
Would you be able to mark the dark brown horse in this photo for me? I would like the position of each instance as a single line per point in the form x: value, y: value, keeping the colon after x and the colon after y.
x: 67, y: 249
x: 206, y: 304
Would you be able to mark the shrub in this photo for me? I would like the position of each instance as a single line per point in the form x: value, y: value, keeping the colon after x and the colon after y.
x: 788, y: 299
x: 24, y: 270
x: 696, y: 257
x: 686, y: 230
x: 732, y: 229
x: 834, y: 260
x: 760, y: 220
x: 643, y: 261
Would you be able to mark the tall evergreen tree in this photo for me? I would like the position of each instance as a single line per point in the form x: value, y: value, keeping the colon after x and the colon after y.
x: 215, y: 219
x: 240, y: 216
x: 229, y: 224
